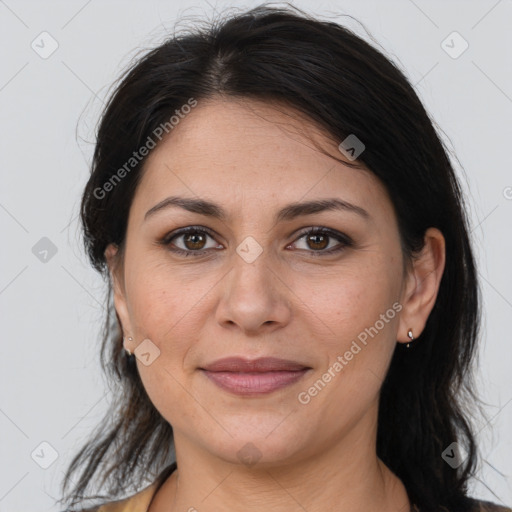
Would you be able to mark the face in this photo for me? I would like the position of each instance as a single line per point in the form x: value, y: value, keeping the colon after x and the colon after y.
x: 255, y: 283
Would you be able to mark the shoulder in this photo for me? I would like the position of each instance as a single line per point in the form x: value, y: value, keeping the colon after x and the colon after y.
x: 135, y: 503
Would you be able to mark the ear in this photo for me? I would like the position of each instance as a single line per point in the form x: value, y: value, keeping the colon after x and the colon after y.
x: 422, y: 285
x: 116, y: 270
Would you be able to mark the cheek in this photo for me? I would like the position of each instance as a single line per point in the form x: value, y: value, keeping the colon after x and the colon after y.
x: 357, y: 309
x: 348, y: 301
x: 163, y: 305
x: 166, y: 311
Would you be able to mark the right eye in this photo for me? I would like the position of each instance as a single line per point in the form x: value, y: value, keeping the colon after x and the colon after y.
x: 193, y: 240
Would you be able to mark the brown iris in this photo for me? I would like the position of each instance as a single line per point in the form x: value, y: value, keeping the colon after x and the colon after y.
x: 194, y: 240
x: 317, y: 241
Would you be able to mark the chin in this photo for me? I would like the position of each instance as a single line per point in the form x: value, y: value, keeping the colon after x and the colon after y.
x: 260, y: 451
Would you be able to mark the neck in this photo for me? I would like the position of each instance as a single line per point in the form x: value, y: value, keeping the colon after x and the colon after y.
x: 345, y: 477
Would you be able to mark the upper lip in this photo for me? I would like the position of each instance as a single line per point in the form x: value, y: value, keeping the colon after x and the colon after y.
x: 261, y: 364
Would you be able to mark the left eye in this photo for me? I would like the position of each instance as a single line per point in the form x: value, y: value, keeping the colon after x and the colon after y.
x: 322, y: 240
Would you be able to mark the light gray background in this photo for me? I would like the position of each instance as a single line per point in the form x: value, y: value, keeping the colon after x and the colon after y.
x: 51, y: 388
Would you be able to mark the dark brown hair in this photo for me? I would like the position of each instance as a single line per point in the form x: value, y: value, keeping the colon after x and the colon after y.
x: 345, y: 85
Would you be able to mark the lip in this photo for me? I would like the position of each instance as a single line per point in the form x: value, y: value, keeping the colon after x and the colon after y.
x: 261, y: 364
x: 254, y: 377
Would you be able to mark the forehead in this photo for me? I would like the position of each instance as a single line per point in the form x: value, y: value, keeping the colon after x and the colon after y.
x: 227, y: 149
x: 232, y: 128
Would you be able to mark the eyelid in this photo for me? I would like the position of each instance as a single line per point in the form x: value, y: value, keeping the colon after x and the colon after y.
x: 187, y: 229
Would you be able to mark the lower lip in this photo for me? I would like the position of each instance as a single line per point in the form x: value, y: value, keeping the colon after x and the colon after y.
x: 254, y: 383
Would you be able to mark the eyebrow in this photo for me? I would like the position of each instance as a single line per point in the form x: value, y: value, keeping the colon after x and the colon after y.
x: 289, y: 212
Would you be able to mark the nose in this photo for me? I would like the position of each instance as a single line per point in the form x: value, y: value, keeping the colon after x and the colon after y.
x: 254, y: 298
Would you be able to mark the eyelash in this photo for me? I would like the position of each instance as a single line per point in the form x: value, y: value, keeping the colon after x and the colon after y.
x: 340, y: 237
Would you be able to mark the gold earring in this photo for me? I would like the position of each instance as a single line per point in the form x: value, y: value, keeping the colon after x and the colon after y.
x: 411, y: 337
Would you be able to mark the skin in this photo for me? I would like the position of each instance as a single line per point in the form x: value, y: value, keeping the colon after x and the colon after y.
x: 252, y: 160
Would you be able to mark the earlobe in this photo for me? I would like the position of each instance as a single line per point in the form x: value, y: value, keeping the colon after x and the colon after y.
x: 424, y: 280
x: 115, y: 268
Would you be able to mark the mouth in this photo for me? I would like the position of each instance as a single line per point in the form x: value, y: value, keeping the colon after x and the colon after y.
x: 254, y: 377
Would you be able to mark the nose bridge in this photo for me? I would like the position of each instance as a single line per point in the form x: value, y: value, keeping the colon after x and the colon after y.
x: 252, y: 295
x: 251, y: 273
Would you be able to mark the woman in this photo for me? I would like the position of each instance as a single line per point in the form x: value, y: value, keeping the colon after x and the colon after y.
x: 295, y: 293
